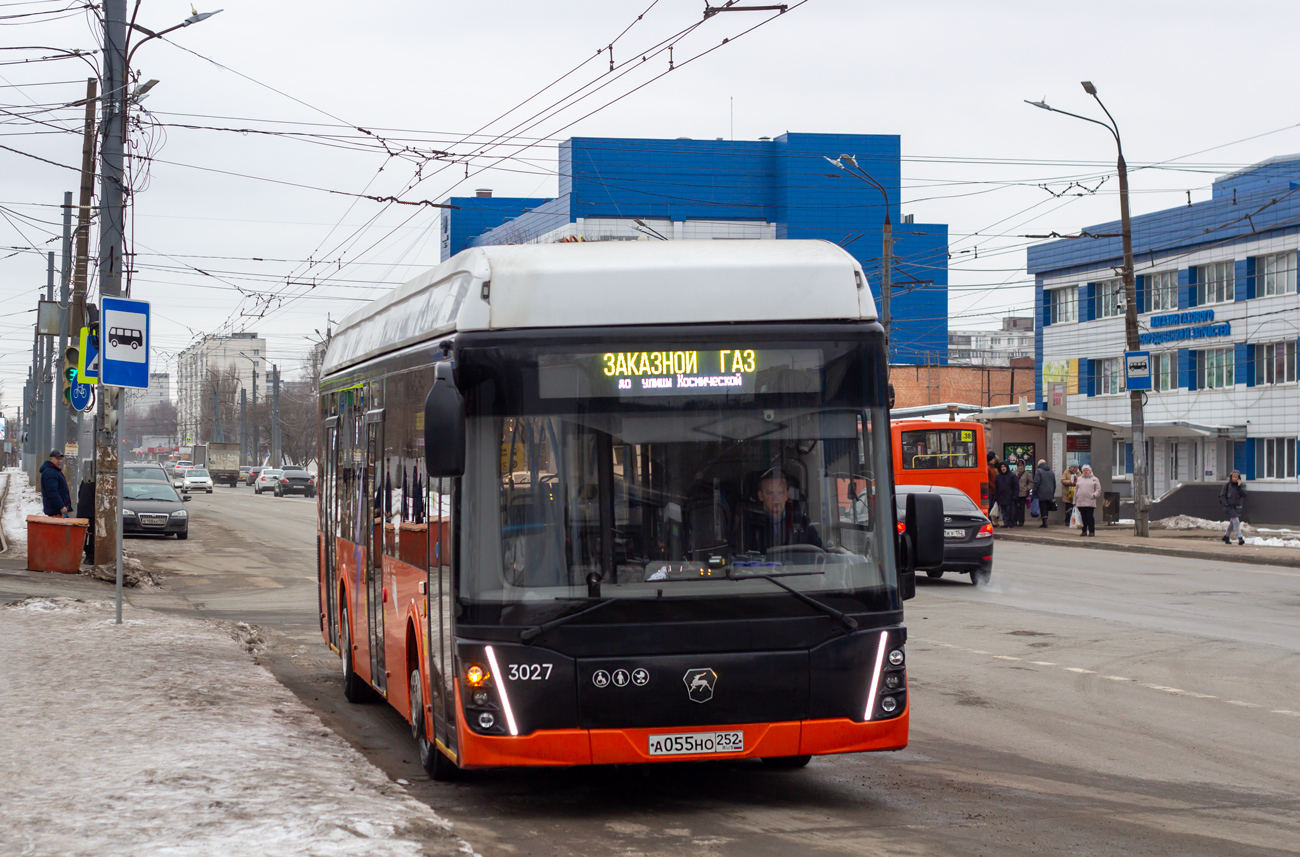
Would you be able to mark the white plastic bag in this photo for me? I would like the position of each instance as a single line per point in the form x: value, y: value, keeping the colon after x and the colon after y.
x: 1076, y: 520
x: 995, y: 514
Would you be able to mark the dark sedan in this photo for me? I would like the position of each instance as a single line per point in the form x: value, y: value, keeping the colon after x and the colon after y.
x: 967, y: 533
x: 152, y: 507
x: 250, y: 476
x: 295, y: 480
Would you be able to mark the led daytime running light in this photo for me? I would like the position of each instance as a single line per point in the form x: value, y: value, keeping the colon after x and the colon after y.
x: 505, y: 700
x: 875, y: 675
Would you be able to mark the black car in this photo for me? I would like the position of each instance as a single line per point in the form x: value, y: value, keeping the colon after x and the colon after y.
x: 153, y: 507
x: 295, y: 480
x: 154, y: 472
x: 967, y: 533
x: 250, y: 475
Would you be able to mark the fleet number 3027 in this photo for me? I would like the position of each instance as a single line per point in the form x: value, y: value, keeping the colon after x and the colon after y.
x: 528, y: 672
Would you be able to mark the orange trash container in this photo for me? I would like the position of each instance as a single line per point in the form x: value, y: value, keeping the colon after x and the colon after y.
x: 55, y: 544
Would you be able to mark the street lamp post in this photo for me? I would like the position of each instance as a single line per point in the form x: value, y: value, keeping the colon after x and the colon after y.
x: 887, y: 251
x: 1141, y: 502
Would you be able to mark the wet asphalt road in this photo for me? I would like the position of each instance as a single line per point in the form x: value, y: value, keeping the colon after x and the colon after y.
x: 1086, y: 702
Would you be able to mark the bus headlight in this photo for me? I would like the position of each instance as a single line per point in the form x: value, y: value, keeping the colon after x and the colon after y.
x: 888, y: 704
x: 486, y: 720
x: 896, y: 658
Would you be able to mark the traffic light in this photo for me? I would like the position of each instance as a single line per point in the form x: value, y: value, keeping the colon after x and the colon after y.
x: 71, y: 360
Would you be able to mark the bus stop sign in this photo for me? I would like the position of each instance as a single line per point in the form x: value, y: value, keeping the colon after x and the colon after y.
x: 124, y: 343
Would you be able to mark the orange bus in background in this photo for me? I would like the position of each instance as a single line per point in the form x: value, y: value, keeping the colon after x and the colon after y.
x: 927, y: 452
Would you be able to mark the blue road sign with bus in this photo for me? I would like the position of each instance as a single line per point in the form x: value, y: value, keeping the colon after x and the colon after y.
x: 1137, y: 370
x: 124, y: 343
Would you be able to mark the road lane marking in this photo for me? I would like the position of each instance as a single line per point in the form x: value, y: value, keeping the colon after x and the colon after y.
x: 1081, y: 671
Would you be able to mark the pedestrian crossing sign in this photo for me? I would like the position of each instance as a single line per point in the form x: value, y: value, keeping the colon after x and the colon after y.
x: 88, y: 358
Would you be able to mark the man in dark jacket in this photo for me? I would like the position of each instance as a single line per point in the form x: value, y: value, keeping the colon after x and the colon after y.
x: 1233, y: 498
x: 54, y: 488
x: 1044, y: 490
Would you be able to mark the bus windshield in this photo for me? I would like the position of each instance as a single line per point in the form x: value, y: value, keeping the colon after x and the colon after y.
x: 939, y: 449
x: 673, y: 503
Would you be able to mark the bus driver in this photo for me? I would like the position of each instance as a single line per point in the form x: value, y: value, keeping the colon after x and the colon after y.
x: 776, y: 523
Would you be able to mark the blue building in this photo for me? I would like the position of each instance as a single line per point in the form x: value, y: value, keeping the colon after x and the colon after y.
x: 1218, y: 309
x: 614, y: 189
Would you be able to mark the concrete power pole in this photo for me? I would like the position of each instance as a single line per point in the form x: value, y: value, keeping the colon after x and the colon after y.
x: 111, y: 267
x: 275, y: 417
x: 47, y: 363
x: 81, y: 260
x: 63, y: 413
x: 243, y: 425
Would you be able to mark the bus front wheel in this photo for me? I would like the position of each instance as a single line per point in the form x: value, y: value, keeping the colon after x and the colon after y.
x: 434, y: 761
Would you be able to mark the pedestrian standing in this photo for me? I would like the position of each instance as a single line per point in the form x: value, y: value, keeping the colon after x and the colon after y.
x: 54, y: 487
x: 1087, y: 491
x: 1068, y: 480
x: 1025, y: 490
x: 1005, y: 488
x: 1233, y: 498
x: 1044, y: 488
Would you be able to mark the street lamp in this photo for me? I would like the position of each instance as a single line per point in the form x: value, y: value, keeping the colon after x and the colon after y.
x: 886, y: 256
x: 1141, y: 502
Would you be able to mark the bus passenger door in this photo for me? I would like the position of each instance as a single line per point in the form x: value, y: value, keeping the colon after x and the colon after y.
x: 375, y: 547
x: 327, y: 497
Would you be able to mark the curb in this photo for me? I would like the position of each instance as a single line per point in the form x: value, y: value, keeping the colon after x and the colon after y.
x: 1249, y: 559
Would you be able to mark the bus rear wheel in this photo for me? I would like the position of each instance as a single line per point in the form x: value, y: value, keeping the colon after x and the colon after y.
x: 354, y: 689
x: 787, y: 763
x: 434, y: 761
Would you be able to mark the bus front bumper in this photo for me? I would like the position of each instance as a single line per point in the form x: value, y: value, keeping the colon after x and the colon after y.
x: 565, y: 747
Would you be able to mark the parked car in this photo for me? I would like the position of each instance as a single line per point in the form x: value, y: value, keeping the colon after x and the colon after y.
x: 146, y: 470
x: 295, y: 480
x: 150, y: 506
x: 967, y: 533
x: 197, y: 479
x: 266, y: 480
x: 253, y: 472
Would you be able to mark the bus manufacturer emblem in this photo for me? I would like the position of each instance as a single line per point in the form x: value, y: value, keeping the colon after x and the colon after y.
x: 699, y: 684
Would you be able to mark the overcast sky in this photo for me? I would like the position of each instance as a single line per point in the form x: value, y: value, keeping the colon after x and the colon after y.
x: 949, y: 77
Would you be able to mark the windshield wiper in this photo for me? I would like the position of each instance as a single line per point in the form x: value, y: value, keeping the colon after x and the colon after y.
x: 847, y: 623
x: 528, y: 635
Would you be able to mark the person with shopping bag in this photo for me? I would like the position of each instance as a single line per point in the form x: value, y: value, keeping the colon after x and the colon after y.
x: 1087, y: 491
x: 1068, y: 480
x: 1024, y: 490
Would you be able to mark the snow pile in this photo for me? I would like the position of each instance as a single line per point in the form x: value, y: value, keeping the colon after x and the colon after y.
x: 22, y: 500
x: 1187, y: 522
x: 161, y: 736
x: 1273, y: 542
x: 133, y: 572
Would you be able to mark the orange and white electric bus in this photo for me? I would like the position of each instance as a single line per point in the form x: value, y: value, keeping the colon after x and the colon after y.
x: 584, y: 504
x: 949, y: 453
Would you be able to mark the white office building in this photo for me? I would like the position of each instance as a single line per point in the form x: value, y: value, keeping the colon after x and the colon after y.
x: 1218, y: 312
x: 239, y: 356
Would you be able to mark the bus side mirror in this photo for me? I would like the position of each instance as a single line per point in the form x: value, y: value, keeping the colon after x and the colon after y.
x: 444, y: 426
x: 924, y: 527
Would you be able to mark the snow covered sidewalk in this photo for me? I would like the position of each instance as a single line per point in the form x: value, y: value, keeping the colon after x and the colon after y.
x: 162, y: 736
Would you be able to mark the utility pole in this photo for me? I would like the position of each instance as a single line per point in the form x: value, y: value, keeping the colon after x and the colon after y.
x: 217, y: 435
x: 63, y: 416
x: 81, y: 260
x: 257, y: 447
x: 275, y: 417
x: 47, y: 361
x: 886, y: 284
x: 111, y: 264
x: 243, y: 425
x: 1132, y: 341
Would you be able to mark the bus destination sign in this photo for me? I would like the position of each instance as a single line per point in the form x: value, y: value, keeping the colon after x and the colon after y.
x: 721, y: 371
